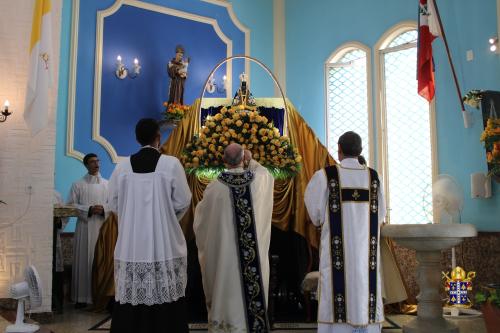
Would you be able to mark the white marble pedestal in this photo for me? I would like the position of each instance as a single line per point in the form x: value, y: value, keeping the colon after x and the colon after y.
x: 429, y: 240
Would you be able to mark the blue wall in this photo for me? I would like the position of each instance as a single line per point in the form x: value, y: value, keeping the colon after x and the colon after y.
x: 192, y: 38
x: 124, y: 102
x: 67, y: 169
x: 256, y: 15
x: 314, y: 29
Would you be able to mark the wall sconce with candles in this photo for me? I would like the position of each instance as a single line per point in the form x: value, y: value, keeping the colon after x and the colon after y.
x: 122, y: 72
x: 213, y: 87
x: 493, y: 41
x: 5, y: 112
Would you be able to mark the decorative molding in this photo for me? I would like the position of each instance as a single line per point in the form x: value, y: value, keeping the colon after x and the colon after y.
x: 380, y: 105
x: 70, y: 150
x: 394, y: 31
x: 246, y: 31
x: 434, y: 151
x: 498, y: 18
x: 70, y: 130
x: 336, y: 56
x: 224, y: 3
x: 279, y: 29
x: 96, y: 136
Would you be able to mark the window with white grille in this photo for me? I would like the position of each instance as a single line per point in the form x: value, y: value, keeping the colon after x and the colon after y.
x: 347, y: 107
x: 406, y: 134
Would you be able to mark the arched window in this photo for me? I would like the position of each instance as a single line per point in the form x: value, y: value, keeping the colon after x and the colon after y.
x: 347, y: 96
x: 406, y: 130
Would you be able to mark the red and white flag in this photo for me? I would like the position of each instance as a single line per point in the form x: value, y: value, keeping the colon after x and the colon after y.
x: 428, y: 30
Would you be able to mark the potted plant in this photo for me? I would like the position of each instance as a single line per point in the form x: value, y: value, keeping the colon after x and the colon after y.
x: 491, y: 139
x: 174, y: 113
x: 489, y: 300
x: 491, y: 134
x: 473, y: 98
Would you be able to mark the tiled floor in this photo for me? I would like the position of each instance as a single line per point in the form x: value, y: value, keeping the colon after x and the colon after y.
x: 80, y: 321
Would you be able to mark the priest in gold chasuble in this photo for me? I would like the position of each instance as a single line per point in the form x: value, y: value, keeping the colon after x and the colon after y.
x: 232, y: 225
x: 347, y: 202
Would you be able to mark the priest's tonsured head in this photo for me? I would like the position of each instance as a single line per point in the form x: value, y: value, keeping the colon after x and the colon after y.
x: 233, y: 156
x: 350, y: 145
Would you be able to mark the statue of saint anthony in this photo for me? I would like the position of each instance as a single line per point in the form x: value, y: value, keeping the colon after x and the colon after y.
x: 177, y: 71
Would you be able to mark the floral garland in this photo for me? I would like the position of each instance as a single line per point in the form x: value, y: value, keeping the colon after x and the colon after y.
x: 174, y: 112
x: 203, y: 155
x: 491, y: 139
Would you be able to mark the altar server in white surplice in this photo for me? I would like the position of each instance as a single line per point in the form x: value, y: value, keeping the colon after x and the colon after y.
x: 346, y: 201
x: 89, y: 195
x: 232, y: 225
x: 149, y: 192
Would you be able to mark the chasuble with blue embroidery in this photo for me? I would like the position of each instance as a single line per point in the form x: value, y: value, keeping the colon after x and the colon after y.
x: 233, y: 230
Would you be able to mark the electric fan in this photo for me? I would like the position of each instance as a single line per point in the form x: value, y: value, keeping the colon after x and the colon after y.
x: 27, y: 292
x: 448, y: 198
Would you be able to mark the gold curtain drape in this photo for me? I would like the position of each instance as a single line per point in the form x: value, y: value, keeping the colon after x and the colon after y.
x: 289, y: 212
x: 103, y: 283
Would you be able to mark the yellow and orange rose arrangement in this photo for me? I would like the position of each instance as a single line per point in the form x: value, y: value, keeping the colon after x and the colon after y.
x: 174, y: 112
x: 491, y: 139
x: 203, y: 155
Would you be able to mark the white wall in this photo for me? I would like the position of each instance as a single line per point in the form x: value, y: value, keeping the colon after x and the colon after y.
x: 24, y: 161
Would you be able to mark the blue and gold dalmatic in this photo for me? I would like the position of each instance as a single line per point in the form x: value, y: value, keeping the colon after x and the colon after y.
x: 336, y: 197
x: 248, y: 250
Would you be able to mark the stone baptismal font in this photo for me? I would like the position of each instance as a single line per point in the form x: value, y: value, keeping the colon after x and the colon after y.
x: 429, y: 240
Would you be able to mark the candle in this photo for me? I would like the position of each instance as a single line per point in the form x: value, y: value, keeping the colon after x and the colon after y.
x: 119, y: 59
x: 224, y: 82
x: 6, y: 104
x: 137, y: 67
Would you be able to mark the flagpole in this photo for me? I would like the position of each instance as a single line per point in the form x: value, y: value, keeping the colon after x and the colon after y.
x: 449, y: 58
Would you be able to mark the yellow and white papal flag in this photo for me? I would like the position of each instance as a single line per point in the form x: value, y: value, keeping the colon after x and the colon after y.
x: 36, y: 112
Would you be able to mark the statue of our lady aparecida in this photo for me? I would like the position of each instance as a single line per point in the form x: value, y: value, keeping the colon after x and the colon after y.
x: 243, y: 97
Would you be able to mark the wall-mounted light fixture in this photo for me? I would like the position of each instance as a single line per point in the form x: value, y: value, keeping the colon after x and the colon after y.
x: 213, y: 87
x: 493, y: 41
x: 5, y: 112
x: 122, y: 71
x: 480, y: 185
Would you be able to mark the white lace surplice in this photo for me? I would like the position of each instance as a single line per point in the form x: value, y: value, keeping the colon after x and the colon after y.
x: 150, y: 253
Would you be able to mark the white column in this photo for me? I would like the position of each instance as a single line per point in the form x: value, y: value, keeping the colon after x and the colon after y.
x: 279, y: 67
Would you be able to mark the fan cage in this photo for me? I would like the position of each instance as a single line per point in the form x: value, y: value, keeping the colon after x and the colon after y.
x: 35, y: 287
